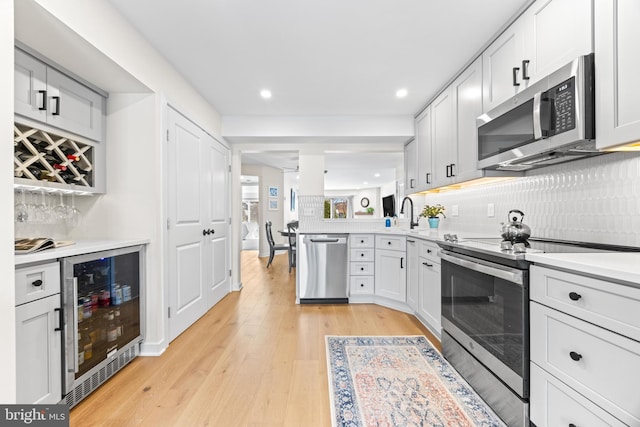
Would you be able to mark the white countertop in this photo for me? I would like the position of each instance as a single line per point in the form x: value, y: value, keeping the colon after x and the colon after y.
x: 79, y: 248
x: 618, y: 266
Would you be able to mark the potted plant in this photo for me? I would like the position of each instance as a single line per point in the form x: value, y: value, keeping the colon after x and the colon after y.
x: 432, y: 213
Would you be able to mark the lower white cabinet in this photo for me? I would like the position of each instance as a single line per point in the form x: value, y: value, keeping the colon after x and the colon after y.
x: 38, y: 335
x: 412, y: 274
x: 361, y: 267
x: 391, y: 268
x: 429, y: 301
x: 584, y: 350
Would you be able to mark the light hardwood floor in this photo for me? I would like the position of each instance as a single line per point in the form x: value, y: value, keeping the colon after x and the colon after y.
x: 255, y: 359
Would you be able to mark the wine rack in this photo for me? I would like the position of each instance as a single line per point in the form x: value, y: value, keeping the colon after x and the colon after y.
x: 45, y: 156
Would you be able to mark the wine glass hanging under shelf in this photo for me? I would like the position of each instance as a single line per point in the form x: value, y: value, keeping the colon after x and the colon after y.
x: 44, y: 156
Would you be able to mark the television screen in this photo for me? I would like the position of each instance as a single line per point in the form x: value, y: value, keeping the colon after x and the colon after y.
x: 389, y: 205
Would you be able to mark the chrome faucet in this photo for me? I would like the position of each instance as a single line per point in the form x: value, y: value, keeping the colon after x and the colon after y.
x: 411, y: 223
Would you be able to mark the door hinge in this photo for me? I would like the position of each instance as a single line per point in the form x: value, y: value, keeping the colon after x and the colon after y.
x: 168, y: 223
x: 229, y: 272
x: 229, y: 168
x: 229, y: 221
x: 167, y: 134
x: 169, y: 312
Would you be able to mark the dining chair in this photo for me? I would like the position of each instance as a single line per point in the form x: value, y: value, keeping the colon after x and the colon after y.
x: 292, y: 228
x: 272, y: 245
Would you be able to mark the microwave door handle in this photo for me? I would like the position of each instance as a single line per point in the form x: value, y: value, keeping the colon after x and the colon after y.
x: 537, y: 123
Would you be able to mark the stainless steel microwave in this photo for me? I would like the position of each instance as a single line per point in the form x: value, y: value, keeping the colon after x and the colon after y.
x: 552, y: 121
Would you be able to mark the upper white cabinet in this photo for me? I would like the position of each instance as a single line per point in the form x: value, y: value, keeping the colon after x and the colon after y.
x: 445, y: 148
x: 410, y: 165
x: 424, y: 155
x: 48, y: 96
x: 547, y: 36
x: 616, y: 61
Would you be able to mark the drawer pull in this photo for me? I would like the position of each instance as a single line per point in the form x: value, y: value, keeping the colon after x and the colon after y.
x: 362, y: 285
x: 362, y: 254
x: 575, y: 356
x: 388, y: 243
x: 361, y: 241
x: 572, y: 425
x: 574, y: 296
x: 361, y: 268
x: 428, y: 251
x: 427, y: 264
x: 37, y: 282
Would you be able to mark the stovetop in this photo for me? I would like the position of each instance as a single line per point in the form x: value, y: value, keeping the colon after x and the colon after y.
x: 495, y: 249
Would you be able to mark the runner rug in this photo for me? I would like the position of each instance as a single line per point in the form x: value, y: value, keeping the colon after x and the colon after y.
x: 398, y: 381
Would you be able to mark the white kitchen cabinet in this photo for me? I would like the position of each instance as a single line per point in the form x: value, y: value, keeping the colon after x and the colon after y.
x: 445, y: 147
x: 467, y: 96
x: 616, y: 62
x: 429, y: 301
x: 584, y: 342
x: 391, y: 268
x: 44, y: 94
x: 410, y: 167
x: 38, y: 334
x: 550, y: 34
x: 412, y: 273
x: 424, y: 155
x: 361, y: 268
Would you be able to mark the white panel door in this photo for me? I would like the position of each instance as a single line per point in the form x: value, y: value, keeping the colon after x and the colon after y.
x: 412, y: 274
x: 217, y: 264
x: 445, y: 146
x: 429, y: 300
x: 187, y: 221
x: 39, y: 352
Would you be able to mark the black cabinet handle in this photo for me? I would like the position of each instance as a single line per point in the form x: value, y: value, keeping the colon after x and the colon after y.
x: 428, y: 251
x: 401, y: 261
x: 447, y: 171
x: 205, y: 232
x: 515, y: 76
x: 361, y: 241
x: 43, y: 106
x: 411, y: 185
x: 411, y: 241
x: 362, y: 285
x: 56, y: 111
x: 362, y: 254
x: 60, y: 319
x: 427, y: 264
x: 37, y: 282
x: 388, y: 243
x: 525, y: 69
x: 212, y: 231
x: 428, y: 177
x: 574, y: 296
x: 575, y: 356
x: 572, y: 425
x: 451, y: 170
x: 361, y: 268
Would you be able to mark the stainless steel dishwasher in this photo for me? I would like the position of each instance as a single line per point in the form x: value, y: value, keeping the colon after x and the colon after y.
x: 322, y: 269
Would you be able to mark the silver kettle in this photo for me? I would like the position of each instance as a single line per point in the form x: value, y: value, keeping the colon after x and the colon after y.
x: 515, y: 231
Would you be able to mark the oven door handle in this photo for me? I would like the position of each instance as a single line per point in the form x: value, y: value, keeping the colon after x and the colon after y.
x: 511, y: 275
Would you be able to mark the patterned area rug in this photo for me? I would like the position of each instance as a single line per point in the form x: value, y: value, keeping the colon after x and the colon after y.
x: 398, y: 381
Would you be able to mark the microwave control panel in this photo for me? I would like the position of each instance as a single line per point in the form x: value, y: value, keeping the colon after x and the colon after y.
x: 563, y: 106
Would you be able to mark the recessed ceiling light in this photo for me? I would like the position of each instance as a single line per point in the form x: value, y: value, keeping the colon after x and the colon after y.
x: 377, y: 175
x: 266, y: 94
x: 365, y: 183
x: 401, y: 93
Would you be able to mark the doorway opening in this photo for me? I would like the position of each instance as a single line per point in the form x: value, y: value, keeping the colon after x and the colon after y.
x: 250, y: 227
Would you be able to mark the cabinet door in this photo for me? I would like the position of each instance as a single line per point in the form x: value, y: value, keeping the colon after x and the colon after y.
x: 39, y: 352
x: 73, y: 106
x: 467, y: 91
x: 410, y: 182
x: 617, y: 63
x: 498, y: 63
x: 412, y: 274
x: 443, y: 138
x: 391, y: 274
x: 30, y: 86
x: 557, y: 32
x: 429, y: 304
x: 424, y: 150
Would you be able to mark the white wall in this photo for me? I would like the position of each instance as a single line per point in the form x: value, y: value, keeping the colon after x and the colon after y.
x: 311, y: 181
x: 7, y: 290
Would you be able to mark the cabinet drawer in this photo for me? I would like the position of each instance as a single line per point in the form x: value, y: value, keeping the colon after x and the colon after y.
x: 362, y: 268
x: 597, y: 363
x: 361, y: 241
x: 362, y: 285
x: 610, y: 305
x: 362, y: 254
x: 37, y: 282
x: 429, y: 250
x: 555, y: 404
x: 394, y: 243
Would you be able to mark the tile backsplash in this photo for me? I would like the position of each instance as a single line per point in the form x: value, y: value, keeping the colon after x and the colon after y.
x: 595, y: 199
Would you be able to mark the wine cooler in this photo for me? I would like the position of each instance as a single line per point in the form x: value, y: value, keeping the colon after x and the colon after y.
x: 103, y: 317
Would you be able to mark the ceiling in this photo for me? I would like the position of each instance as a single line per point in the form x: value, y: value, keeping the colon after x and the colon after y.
x: 332, y: 58
x: 329, y: 57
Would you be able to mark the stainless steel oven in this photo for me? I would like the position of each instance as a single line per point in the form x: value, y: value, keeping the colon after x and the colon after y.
x: 485, y: 320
